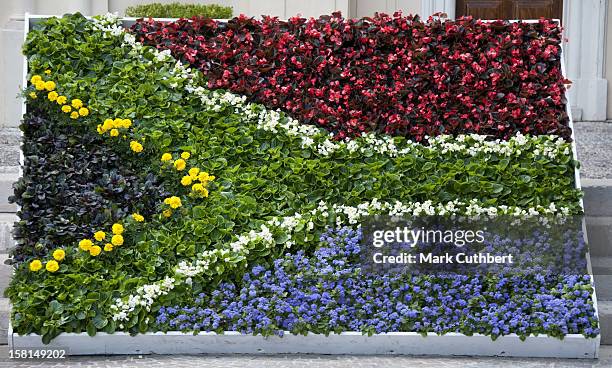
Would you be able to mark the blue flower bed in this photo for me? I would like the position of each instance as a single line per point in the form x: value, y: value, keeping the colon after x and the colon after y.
x: 328, y: 293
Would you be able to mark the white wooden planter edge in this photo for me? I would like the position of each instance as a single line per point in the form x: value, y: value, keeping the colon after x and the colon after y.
x: 394, y: 343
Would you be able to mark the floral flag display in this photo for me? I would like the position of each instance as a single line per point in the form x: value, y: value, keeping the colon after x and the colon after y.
x: 211, y: 176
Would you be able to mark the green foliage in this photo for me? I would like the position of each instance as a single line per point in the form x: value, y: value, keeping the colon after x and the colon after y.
x: 178, y: 10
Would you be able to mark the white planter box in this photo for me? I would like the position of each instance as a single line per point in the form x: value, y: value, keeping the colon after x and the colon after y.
x: 395, y: 343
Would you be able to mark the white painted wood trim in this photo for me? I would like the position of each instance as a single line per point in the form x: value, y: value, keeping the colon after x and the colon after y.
x: 428, y: 7
x: 397, y: 343
x: 585, y: 29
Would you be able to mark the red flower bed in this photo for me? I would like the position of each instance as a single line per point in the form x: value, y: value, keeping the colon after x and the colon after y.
x: 397, y: 75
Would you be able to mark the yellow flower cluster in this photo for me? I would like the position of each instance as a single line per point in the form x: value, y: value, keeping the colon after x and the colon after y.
x: 76, y: 108
x: 197, y: 189
x: 180, y: 164
x: 52, y: 265
x: 113, y: 126
x: 138, y: 217
x: 173, y: 202
x: 41, y: 85
x: 194, y: 174
x: 116, y: 239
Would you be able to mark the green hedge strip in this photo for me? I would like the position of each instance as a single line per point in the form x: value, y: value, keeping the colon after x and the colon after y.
x: 178, y: 10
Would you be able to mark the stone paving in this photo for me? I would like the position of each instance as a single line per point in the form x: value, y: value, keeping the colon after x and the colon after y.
x: 342, y: 361
x: 9, y: 149
x: 594, y: 146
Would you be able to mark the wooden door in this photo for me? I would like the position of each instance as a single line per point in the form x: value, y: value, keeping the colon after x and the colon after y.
x: 510, y: 9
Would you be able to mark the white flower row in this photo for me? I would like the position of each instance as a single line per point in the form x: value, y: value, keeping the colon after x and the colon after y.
x: 345, y: 216
x: 264, y: 235
x: 108, y: 24
x: 144, y: 296
x: 319, y: 139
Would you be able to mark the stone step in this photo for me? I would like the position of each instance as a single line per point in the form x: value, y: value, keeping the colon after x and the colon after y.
x: 6, y: 190
x: 603, y: 287
x: 601, y: 265
x: 605, y: 321
x: 597, y: 197
x: 599, y: 233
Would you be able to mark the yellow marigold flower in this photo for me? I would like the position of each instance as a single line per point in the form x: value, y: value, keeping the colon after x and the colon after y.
x: 85, y: 244
x: 193, y: 172
x: 118, y: 123
x: 33, y: 95
x: 135, y: 146
x: 138, y: 217
x: 35, y: 265
x: 52, y: 96
x: 108, y: 124
x: 174, y: 202
x: 117, y: 240
x: 186, y: 180
x: 35, y: 79
x: 211, y: 177
x: 48, y: 72
x: 52, y: 266
x: 95, y: 250
x: 49, y: 85
x: 83, y: 111
x: 114, y: 133
x: 66, y: 108
x: 167, y: 213
x: 180, y: 164
x: 166, y: 157
x: 99, y: 235
x: 126, y: 123
x: 99, y: 129
x: 203, y: 177
x: 108, y: 247
x: 59, y: 255
x: 40, y: 85
x: 74, y: 115
x: 185, y: 155
x: 61, y: 100
x: 199, y: 189
x: 76, y: 103
x: 117, y: 229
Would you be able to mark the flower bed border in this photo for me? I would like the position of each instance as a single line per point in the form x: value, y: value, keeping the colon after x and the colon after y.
x: 394, y: 343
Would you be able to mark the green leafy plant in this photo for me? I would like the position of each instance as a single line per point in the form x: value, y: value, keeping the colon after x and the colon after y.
x: 178, y: 10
